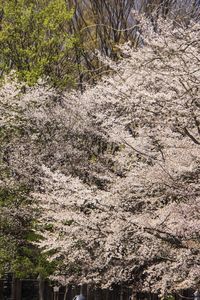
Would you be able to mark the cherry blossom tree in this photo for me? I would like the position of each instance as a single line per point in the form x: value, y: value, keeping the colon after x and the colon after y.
x: 115, y: 171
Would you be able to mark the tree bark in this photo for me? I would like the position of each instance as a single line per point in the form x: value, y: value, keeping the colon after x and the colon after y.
x: 41, y: 287
x: 13, y: 287
x: 121, y: 292
x: 66, y: 291
x: 1, y: 289
x: 18, y: 291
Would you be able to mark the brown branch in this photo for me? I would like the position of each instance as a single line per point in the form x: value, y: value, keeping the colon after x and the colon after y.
x: 191, y: 136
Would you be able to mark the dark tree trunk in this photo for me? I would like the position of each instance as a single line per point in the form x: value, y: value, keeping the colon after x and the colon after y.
x: 1, y: 289
x: 66, y: 291
x: 13, y: 287
x: 18, y: 291
x: 41, y: 287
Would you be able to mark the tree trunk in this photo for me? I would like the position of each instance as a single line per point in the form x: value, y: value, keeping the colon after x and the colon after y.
x: 121, y: 292
x: 13, y: 287
x: 18, y: 291
x: 66, y: 291
x: 41, y: 287
x: 107, y: 294
x: 1, y: 289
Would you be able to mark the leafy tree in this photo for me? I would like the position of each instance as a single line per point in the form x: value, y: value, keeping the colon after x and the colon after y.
x: 34, y: 41
x: 19, y: 253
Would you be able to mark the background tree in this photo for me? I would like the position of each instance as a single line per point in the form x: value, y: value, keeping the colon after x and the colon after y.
x: 35, y: 43
x: 56, y: 40
x: 104, y: 25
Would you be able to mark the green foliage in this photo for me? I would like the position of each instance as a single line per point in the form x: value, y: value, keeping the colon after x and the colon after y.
x: 49, y: 227
x: 34, y: 42
x: 169, y: 297
x: 25, y: 261
x: 32, y: 262
x: 23, y: 258
x: 44, y: 267
x: 7, y: 251
x: 19, y: 253
x: 68, y: 222
x: 15, y: 196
